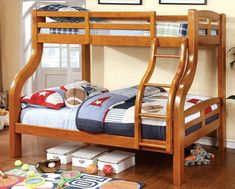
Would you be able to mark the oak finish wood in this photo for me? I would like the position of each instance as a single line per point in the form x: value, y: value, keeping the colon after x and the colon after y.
x: 153, y: 169
x: 176, y: 140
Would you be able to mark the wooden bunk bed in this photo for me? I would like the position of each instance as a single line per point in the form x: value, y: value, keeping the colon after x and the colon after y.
x: 176, y: 141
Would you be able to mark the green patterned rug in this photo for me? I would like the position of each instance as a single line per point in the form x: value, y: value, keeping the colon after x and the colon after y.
x: 85, y: 181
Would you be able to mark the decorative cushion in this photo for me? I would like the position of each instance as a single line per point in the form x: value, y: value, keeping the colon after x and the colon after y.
x: 59, y: 7
x: 71, y: 95
x: 74, y: 97
x: 90, y: 89
x: 50, y: 98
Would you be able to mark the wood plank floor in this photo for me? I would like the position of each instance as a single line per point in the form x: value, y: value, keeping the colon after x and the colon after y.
x: 153, y: 169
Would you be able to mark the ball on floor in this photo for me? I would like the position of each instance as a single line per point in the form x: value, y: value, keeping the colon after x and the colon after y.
x: 25, y: 167
x: 30, y: 173
x: 107, y: 169
x: 18, y: 163
x: 91, y: 169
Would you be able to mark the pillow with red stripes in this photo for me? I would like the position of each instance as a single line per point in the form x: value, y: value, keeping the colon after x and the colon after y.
x: 50, y: 98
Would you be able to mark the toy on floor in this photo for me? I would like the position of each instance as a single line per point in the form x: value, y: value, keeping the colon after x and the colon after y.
x: 198, y: 155
x: 48, y: 166
x: 68, y: 176
x: 107, y: 169
x: 18, y: 163
x: 25, y: 167
x: 31, y: 174
x: 6, y: 183
x: 34, y: 182
x: 4, y: 118
x: 91, y: 169
x: 3, y: 175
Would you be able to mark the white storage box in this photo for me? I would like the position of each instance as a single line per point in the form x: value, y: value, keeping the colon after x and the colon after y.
x: 63, y: 152
x: 119, y: 160
x: 87, y: 156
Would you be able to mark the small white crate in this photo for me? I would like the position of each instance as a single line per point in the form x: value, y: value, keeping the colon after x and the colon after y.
x: 119, y: 160
x: 87, y: 156
x: 63, y: 152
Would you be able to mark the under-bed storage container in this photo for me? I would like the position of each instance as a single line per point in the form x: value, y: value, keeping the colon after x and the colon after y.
x: 87, y: 156
x: 63, y: 152
x: 119, y: 160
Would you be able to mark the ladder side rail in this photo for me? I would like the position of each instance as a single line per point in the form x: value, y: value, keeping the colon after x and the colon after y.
x: 172, y: 94
x: 140, y: 93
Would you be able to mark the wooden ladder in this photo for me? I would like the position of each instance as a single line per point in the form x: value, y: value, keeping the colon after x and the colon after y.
x: 167, y: 146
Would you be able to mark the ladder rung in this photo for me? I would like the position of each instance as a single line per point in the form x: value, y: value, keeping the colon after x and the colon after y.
x: 167, y: 56
x: 152, y: 145
x: 153, y: 115
x: 158, y: 85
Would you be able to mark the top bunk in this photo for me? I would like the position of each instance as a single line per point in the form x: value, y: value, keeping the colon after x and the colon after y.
x: 127, y: 28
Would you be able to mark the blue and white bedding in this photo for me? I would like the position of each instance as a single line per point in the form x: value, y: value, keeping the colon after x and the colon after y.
x: 113, y: 113
x: 102, y: 114
x: 162, y: 29
x: 63, y: 118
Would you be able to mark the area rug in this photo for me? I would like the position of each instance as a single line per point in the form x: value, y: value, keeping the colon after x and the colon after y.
x: 86, y: 181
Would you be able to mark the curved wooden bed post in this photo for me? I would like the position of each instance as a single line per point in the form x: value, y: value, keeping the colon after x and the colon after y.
x: 16, y: 89
x: 179, y: 129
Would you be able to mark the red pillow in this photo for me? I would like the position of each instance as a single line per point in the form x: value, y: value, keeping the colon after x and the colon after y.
x: 50, y: 98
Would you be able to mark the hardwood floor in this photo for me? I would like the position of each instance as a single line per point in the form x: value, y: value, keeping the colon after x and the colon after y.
x: 153, y: 169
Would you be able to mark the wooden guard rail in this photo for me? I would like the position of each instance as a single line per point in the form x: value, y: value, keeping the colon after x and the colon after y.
x: 207, y: 21
x: 204, y: 128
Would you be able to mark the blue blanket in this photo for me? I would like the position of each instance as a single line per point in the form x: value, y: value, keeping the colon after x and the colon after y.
x: 92, y: 112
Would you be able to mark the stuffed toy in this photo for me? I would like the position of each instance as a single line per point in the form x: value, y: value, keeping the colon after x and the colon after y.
x: 198, y: 155
x: 4, y: 118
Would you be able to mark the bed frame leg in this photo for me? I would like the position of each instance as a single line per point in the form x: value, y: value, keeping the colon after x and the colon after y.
x: 178, y: 167
x: 15, y: 145
x: 221, y: 132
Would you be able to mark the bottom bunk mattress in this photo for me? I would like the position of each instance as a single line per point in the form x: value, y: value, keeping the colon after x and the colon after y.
x: 118, y: 119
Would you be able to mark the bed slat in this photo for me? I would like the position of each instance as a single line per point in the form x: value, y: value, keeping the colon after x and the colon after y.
x: 60, y: 25
x: 64, y: 39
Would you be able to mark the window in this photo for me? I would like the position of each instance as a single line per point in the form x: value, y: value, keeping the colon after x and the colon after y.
x: 60, y: 62
x: 61, y: 56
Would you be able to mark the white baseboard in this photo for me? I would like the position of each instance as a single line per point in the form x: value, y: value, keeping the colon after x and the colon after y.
x: 213, y: 142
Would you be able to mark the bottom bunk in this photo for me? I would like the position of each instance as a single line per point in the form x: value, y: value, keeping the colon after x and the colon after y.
x: 117, y: 119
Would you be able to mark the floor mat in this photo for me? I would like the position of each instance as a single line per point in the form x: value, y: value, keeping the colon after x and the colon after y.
x: 85, y: 181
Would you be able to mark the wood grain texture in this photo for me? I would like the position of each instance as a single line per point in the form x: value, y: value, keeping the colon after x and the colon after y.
x: 153, y: 169
x: 188, y: 59
x: 222, y: 82
x: 184, y: 85
x: 86, y: 63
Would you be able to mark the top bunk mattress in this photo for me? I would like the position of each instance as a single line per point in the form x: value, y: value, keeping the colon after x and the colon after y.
x: 162, y: 29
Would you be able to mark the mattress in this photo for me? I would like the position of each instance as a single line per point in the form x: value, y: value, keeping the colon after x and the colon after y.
x: 162, y: 29
x: 151, y: 128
